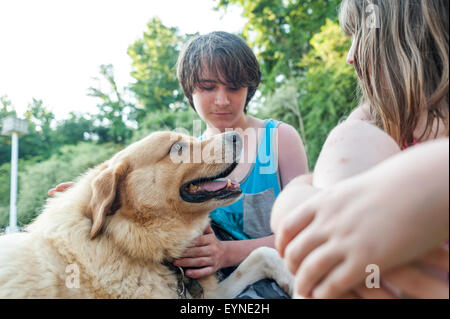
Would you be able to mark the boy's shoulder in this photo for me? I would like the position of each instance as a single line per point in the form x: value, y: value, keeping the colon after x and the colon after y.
x: 259, y: 123
x: 287, y: 132
x: 262, y: 123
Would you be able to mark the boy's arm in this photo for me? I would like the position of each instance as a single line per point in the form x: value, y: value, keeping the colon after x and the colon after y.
x: 237, y: 250
x: 292, y: 159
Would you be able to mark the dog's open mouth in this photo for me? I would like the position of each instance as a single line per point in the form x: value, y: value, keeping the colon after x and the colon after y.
x: 203, y: 189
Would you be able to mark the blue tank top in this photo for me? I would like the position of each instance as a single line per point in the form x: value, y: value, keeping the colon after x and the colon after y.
x: 249, y: 217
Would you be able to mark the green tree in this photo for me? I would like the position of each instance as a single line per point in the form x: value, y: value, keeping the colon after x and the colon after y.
x: 75, y: 129
x: 115, y: 113
x: 279, y: 31
x: 6, y: 110
x: 154, y: 58
x: 45, y: 135
x: 6, y: 107
x: 38, y: 142
x: 41, y: 118
x: 5, y: 186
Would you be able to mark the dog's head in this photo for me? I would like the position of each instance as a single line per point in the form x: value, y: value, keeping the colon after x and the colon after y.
x: 166, y: 176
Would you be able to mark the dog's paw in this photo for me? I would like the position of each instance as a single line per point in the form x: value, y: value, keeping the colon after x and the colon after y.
x: 270, y: 260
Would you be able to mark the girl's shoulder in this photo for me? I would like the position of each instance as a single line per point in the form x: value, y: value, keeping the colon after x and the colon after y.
x: 362, y: 113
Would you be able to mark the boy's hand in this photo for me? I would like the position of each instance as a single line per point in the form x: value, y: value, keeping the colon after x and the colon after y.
x: 207, y: 255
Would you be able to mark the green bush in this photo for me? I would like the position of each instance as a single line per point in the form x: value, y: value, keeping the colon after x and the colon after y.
x: 5, y: 185
x: 4, y: 217
x: 5, y: 182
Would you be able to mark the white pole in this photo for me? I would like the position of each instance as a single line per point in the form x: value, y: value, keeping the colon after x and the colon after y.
x: 13, y: 196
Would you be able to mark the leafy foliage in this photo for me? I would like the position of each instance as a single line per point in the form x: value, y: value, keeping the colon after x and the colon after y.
x: 279, y: 31
x: 5, y: 143
x: 114, y: 111
x: 154, y: 59
x: 45, y: 136
x: 39, y: 141
x: 78, y: 127
x: 5, y: 175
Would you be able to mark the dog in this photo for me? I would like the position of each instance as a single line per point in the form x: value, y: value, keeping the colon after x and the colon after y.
x: 115, y: 233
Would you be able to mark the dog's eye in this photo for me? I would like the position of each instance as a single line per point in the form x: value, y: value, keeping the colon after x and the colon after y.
x: 177, y: 147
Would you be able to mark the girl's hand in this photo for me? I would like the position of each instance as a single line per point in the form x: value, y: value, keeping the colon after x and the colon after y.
x: 207, y: 255
x: 330, y: 240
x: 426, y: 277
x: 60, y: 188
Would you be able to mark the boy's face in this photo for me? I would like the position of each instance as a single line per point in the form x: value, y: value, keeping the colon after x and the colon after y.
x: 219, y: 105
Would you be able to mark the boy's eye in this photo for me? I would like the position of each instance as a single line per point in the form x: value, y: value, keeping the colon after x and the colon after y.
x: 213, y: 87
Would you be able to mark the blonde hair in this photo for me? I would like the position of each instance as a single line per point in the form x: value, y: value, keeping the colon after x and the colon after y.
x: 401, y: 58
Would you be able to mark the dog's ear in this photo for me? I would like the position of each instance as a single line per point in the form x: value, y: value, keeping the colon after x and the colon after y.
x: 105, y: 199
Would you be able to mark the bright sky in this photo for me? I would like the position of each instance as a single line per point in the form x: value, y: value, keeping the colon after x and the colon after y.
x: 51, y: 49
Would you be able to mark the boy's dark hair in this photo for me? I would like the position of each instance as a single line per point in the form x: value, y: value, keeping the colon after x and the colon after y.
x: 225, y: 56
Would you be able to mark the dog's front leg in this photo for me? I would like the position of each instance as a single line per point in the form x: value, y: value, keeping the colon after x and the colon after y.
x: 263, y: 262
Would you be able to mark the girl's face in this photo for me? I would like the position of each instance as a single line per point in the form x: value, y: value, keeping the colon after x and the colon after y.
x: 220, y: 105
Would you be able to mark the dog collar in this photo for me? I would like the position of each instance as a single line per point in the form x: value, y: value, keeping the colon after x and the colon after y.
x: 185, y: 283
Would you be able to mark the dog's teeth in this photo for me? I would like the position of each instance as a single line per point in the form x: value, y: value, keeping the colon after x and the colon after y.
x: 192, y: 188
x: 228, y: 183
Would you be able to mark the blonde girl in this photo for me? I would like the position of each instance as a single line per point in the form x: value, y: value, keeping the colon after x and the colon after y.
x: 330, y: 227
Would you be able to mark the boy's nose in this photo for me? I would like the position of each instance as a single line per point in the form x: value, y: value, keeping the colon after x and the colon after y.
x: 222, y: 98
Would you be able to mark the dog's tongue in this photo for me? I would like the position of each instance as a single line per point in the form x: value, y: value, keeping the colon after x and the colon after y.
x: 214, y: 186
